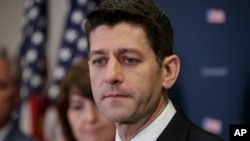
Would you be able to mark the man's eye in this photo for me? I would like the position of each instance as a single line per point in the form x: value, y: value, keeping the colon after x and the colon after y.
x: 130, y: 61
x: 99, y: 62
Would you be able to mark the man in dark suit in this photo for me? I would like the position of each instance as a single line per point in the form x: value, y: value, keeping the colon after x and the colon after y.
x: 15, y: 134
x: 132, y: 67
x: 9, y: 98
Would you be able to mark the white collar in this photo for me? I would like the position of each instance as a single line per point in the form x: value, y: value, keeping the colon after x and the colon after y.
x: 5, y: 130
x: 153, y: 130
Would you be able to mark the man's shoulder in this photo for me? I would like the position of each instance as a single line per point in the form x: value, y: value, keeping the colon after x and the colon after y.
x: 181, y: 128
x: 16, y: 134
x: 194, y: 132
x: 198, y: 134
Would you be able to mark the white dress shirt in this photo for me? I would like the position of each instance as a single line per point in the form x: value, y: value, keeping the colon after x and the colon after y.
x: 154, y: 129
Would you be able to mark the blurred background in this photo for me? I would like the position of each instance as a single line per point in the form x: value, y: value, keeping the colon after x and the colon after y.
x: 212, y: 39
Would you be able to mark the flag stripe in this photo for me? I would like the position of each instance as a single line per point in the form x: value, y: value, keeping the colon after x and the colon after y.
x: 32, y: 55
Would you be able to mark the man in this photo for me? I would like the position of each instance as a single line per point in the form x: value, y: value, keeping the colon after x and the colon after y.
x: 132, y: 66
x: 9, y: 97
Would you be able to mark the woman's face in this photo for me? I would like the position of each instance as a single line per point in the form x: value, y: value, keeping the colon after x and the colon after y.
x: 86, y: 121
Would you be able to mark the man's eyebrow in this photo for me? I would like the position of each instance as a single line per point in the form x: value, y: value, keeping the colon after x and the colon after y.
x: 119, y: 51
x: 128, y: 50
x: 96, y: 52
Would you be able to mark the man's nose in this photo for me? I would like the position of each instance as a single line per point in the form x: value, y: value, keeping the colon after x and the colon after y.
x: 113, y: 72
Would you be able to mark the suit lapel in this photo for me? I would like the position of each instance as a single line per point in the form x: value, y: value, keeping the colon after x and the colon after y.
x: 177, y: 129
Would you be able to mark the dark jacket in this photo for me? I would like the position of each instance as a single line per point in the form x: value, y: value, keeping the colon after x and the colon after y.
x: 181, y: 128
x: 16, y: 135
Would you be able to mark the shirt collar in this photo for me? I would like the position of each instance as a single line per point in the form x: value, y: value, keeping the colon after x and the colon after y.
x: 153, y: 130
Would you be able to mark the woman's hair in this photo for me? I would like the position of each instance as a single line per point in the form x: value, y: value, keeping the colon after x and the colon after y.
x: 77, y: 76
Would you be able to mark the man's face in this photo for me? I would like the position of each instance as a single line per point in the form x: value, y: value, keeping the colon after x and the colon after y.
x: 7, y: 95
x: 125, y: 77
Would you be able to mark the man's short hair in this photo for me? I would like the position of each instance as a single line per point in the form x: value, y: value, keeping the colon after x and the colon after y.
x: 144, y: 13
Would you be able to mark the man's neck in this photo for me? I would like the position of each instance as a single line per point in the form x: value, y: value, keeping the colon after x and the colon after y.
x: 127, y: 131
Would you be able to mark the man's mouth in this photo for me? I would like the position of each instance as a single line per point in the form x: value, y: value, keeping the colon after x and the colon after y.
x: 113, y: 96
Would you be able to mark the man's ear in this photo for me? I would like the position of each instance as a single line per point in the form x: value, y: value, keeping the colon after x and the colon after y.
x: 171, y: 69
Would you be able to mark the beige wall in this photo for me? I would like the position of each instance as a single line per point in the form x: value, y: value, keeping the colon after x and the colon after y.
x: 10, y: 19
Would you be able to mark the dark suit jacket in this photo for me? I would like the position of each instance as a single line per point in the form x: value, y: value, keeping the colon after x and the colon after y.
x: 16, y: 135
x: 180, y: 128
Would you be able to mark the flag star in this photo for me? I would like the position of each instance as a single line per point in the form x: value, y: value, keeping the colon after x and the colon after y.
x: 53, y: 91
x: 65, y: 54
x: 31, y: 55
x: 36, y: 81
x: 33, y: 13
x: 37, y: 38
x: 71, y: 35
x: 77, y: 17
x: 59, y: 73
x: 26, y: 74
x: 82, y: 44
x: 82, y: 2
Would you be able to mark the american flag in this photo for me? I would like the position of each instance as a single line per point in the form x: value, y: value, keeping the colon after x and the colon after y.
x: 74, y: 43
x: 216, y: 16
x: 212, y: 125
x: 73, y: 48
x: 32, y: 57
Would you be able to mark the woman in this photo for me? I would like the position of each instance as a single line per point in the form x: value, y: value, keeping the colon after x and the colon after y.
x: 80, y: 118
